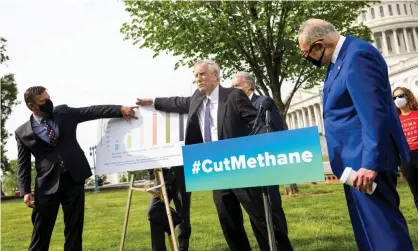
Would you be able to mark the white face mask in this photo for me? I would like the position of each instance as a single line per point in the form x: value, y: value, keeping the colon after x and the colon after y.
x: 400, y: 102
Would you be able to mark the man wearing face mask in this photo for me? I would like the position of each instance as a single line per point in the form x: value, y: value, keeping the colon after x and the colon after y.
x: 61, y: 166
x: 363, y: 132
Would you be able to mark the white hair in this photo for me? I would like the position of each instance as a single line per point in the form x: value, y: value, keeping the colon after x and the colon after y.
x: 315, y: 29
x: 212, y: 67
x: 248, y: 77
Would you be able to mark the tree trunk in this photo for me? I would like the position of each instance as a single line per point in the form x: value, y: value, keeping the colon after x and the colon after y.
x: 291, y: 189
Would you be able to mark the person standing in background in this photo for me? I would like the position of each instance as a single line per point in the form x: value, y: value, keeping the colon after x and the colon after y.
x: 407, y: 107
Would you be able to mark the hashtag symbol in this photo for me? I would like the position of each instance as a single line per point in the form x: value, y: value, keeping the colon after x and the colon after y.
x: 196, y: 167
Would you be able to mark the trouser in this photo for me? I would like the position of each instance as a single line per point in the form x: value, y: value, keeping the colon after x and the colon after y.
x: 176, y: 191
x: 228, y: 204
x: 411, y: 175
x: 71, y: 196
x: 377, y: 221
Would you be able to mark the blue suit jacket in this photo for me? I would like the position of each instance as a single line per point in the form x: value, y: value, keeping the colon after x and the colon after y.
x: 276, y: 118
x: 361, y: 124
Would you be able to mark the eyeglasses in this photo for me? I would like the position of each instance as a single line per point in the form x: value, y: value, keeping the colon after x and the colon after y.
x: 399, y: 96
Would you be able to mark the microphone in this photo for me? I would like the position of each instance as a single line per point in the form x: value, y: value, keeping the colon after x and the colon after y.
x: 266, y: 105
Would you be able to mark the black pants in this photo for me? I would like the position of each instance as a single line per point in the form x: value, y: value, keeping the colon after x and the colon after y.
x: 71, y: 196
x: 176, y: 191
x: 411, y: 175
x: 228, y: 204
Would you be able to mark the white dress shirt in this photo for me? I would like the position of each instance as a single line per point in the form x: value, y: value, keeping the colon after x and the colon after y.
x: 251, y: 95
x: 214, y: 102
x: 337, y: 49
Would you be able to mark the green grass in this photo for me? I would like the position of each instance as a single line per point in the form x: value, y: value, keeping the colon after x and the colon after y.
x: 317, y: 217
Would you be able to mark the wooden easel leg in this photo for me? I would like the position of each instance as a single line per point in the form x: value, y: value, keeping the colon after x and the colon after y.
x: 161, y: 181
x: 128, y: 207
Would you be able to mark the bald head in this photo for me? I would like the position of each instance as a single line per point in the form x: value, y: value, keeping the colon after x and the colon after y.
x: 315, y: 29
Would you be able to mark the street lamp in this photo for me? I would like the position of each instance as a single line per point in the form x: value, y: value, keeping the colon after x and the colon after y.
x: 93, y: 154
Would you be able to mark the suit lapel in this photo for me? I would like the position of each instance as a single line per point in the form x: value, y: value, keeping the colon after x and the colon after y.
x: 221, y: 109
x: 195, y: 105
x: 332, y: 74
x: 31, y: 136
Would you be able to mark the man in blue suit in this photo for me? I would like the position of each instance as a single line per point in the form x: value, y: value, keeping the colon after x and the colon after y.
x: 362, y: 131
x: 246, y: 82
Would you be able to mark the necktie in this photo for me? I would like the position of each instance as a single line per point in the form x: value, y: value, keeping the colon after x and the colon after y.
x: 51, y: 132
x: 208, y: 136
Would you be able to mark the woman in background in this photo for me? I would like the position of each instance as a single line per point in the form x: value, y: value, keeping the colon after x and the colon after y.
x: 407, y: 107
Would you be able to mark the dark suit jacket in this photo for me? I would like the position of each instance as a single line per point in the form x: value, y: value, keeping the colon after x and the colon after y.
x: 235, y: 113
x: 46, y: 156
x: 276, y: 118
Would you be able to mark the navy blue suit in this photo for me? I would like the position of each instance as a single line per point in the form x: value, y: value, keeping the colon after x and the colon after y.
x: 363, y: 130
x: 279, y: 218
x: 276, y: 118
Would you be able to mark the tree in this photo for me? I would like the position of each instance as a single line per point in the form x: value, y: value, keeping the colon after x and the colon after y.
x: 138, y: 175
x: 8, y: 100
x: 10, y: 183
x: 254, y: 36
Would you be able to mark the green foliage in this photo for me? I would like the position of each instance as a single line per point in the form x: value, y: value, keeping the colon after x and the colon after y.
x: 10, y: 183
x: 8, y: 100
x: 255, y: 36
x: 123, y: 179
x: 139, y: 175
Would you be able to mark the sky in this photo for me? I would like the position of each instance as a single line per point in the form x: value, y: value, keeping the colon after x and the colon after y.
x: 74, y: 48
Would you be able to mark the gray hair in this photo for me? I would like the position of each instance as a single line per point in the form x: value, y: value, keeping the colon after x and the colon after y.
x: 248, y: 77
x: 315, y: 29
x: 212, y: 67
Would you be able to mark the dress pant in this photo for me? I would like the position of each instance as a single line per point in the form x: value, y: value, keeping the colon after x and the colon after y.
x: 71, y: 196
x: 228, y: 204
x: 411, y: 175
x: 176, y: 191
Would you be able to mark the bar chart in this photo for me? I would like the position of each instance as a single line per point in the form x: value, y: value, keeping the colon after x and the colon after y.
x: 154, y: 138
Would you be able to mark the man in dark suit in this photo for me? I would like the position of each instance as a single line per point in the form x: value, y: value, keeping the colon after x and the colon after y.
x: 176, y: 191
x: 246, y: 82
x: 217, y: 113
x: 61, y: 166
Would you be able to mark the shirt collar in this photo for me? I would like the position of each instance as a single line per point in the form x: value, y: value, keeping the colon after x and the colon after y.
x: 37, y: 118
x: 337, y: 49
x: 214, y: 96
x: 251, y: 95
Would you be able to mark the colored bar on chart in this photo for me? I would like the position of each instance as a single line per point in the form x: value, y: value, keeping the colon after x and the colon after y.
x: 141, y: 135
x: 167, y: 127
x: 154, y: 128
x: 181, y: 126
x: 129, y: 143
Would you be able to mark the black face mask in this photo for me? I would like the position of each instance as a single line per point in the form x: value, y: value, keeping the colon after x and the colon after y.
x: 315, y: 62
x: 47, y: 107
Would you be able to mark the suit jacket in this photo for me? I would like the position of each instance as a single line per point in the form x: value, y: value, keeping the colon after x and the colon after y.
x: 361, y: 123
x: 235, y: 113
x: 47, y: 162
x: 276, y: 118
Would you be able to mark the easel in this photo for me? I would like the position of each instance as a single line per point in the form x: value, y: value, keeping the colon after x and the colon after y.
x: 162, y: 191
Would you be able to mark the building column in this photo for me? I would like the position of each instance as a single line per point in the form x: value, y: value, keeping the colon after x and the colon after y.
x: 292, y: 120
x: 317, y: 118
x: 384, y: 44
x: 395, y: 38
x: 374, y: 40
x: 408, y: 49
x: 302, y: 112
x: 310, y: 116
x: 299, y: 125
x: 414, y: 33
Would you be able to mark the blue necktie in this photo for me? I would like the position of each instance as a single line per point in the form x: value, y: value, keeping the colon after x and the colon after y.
x: 208, y: 136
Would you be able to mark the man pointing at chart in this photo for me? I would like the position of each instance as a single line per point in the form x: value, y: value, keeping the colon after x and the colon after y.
x: 217, y: 113
x: 363, y: 132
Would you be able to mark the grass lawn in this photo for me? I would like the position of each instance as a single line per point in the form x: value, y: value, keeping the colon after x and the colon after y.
x: 317, y: 217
